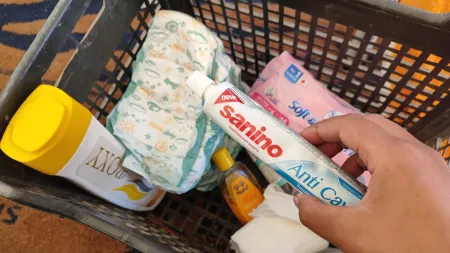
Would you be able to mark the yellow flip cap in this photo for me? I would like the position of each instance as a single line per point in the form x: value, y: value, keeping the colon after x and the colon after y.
x: 223, y: 159
x: 46, y: 130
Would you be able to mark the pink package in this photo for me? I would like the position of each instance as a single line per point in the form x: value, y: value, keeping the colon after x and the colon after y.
x: 287, y: 90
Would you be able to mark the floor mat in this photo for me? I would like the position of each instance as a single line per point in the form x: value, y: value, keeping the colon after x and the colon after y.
x: 25, y: 229
x: 21, y: 20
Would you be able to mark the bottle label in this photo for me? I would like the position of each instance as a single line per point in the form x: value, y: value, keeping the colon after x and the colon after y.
x: 103, y: 161
x: 246, y: 197
x: 102, y: 173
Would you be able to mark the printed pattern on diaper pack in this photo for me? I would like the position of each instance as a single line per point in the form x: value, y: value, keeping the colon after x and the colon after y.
x: 160, y: 120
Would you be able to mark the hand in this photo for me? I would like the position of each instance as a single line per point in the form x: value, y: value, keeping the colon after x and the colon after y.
x: 407, y: 204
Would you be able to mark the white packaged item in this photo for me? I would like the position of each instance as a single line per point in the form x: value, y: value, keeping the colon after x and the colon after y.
x: 270, y: 140
x: 286, y: 233
x: 277, y: 204
x: 275, y: 235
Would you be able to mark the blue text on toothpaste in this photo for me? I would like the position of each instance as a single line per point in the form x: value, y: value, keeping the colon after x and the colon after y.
x: 312, y: 179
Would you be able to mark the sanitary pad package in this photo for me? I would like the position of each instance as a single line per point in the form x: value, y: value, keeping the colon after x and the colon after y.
x: 288, y: 91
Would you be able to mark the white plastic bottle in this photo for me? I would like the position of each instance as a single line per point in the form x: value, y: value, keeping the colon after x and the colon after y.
x: 291, y: 156
x: 54, y: 134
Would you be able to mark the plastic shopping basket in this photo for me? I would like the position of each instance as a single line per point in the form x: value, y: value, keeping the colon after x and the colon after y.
x: 378, y: 55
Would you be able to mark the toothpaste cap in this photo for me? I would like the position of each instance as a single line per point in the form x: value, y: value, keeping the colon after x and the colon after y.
x: 198, y: 82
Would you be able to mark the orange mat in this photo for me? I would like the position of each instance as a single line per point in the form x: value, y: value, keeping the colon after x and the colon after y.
x: 23, y: 229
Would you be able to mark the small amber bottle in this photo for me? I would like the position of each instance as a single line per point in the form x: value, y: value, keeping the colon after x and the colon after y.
x: 238, y: 185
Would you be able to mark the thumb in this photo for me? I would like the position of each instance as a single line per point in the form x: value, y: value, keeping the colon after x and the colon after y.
x: 333, y: 223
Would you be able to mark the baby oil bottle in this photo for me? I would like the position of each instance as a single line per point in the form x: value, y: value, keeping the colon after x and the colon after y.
x: 238, y: 185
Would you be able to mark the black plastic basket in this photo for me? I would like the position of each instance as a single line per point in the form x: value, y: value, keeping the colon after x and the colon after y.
x: 379, y: 55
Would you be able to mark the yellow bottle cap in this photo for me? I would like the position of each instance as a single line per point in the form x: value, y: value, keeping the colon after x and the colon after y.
x: 223, y: 159
x: 46, y: 130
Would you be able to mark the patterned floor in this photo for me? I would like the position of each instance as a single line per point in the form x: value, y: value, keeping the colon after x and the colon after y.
x: 20, y: 20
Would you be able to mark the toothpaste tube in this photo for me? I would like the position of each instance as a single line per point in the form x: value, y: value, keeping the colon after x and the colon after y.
x: 292, y: 157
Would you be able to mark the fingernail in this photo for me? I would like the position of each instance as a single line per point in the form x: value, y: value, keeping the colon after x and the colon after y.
x: 297, y: 201
x: 304, y: 131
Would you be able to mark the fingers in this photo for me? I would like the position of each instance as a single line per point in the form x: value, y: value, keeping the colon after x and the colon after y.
x: 390, y: 127
x: 330, y: 149
x: 354, y: 166
x: 333, y: 223
x: 354, y: 131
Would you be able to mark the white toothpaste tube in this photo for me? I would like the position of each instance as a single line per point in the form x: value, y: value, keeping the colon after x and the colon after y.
x: 292, y: 157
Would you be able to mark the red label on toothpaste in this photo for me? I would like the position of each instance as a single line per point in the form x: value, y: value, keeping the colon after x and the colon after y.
x: 269, y: 107
x: 227, y: 97
x: 241, y: 126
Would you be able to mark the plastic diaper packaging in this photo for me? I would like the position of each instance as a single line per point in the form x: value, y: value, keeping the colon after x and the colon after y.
x: 288, y: 91
x: 160, y: 121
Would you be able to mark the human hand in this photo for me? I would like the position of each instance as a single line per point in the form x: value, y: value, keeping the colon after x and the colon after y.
x: 407, y: 204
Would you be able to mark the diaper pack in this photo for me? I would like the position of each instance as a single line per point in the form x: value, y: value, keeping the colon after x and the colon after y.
x: 169, y: 139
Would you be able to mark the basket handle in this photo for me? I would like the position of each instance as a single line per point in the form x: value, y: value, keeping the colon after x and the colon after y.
x: 39, y: 56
